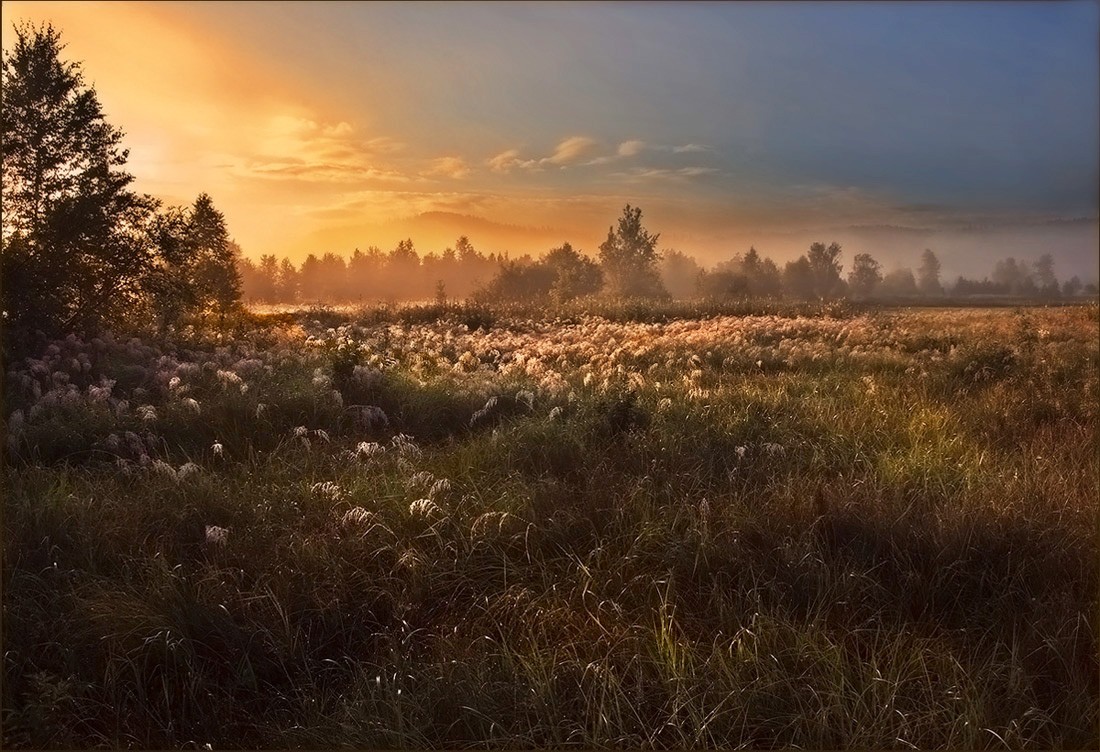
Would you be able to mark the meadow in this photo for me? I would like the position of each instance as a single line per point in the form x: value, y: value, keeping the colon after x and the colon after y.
x: 677, y: 526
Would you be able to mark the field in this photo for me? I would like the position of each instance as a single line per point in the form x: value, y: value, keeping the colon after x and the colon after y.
x: 474, y: 527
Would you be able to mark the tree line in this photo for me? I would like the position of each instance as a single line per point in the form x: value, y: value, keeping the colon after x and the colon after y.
x: 83, y: 251
x: 628, y: 265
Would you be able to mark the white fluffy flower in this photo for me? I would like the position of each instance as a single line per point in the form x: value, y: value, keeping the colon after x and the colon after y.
x: 217, y: 536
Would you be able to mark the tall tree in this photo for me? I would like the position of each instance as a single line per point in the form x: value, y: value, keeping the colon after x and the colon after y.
x: 928, y: 274
x: 574, y: 275
x: 680, y: 274
x: 798, y: 278
x: 825, y: 267
x: 866, y: 275
x: 75, y: 240
x: 213, y: 257
x: 629, y: 258
x: 1044, y: 273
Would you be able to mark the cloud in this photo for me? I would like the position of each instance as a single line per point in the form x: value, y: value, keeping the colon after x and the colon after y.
x: 566, y: 152
x: 451, y: 167
x: 569, y: 150
x: 292, y: 146
x: 320, y: 171
x: 630, y: 148
x: 384, y: 205
x: 509, y: 160
x: 644, y: 174
x: 689, y: 148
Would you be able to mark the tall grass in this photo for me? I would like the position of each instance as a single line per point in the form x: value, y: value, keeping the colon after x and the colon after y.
x: 888, y: 544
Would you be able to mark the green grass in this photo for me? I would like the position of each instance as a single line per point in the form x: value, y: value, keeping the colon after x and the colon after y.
x: 894, y: 548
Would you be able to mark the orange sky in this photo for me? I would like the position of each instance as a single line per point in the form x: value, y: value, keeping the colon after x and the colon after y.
x: 327, y: 126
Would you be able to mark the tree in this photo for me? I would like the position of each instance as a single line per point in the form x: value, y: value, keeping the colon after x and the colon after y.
x: 1044, y: 272
x: 629, y: 258
x: 574, y: 275
x: 865, y: 276
x: 928, y: 274
x: 680, y: 274
x: 825, y: 267
x: 1072, y: 287
x: 798, y: 278
x: 76, y: 240
x: 213, y: 258
x: 1011, y: 276
x: 899, y: 283
x: 286, y: 291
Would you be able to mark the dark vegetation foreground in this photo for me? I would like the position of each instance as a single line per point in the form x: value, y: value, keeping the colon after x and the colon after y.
x: 872, y: 530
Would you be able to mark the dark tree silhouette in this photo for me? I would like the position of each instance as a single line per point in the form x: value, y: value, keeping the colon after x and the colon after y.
x: 928, y: 274
x: 213, y: 258
x: 865, y: 277
x: 629, y: 258
x: 825, y: 266
x: 75, y: 237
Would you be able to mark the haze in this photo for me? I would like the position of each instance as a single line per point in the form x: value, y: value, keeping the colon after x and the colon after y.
x: 891, y: 127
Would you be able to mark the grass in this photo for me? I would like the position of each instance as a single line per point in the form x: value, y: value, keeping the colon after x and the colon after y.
x: 830, y: 529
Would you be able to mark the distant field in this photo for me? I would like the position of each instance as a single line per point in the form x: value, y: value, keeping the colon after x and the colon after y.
x: 466, y: 526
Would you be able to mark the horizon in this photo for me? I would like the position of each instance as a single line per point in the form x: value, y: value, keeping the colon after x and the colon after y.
x: 885, y: 127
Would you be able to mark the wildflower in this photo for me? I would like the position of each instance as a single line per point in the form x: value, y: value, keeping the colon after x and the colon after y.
x: 425, y: 508
x: 322, y: 434
x: 441, y: 486
x: 491, y: 524
x: 773, y: 449
x: 664, y: 404
x: 356, y: 517
x: 555, y: 413
x: 300, y: 432
x: 480, y: 415
x: 187, y: 469
x: 147, y: 413
x: 261, y: 408
x: 228, y: 377
x: 217, y: 536
x: 218, y: 449
x: 327, y: 489
x: 405, y: 445
x: 421, y: 479
x: 163, y: 468
x: 369, y: 449
x: 192, y: 405
x: 526, y: 397
x: 174, y: 382
x: 740, y: 452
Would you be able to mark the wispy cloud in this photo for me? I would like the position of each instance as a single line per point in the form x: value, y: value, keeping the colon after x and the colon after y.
x: 509, y: 160
x: 646, y: 174
x: 569, y: 150
x: 689, y: 148
x: 565, y: 153
x: 450, y: 167
x: 630, y: 148
x: 304, y: 148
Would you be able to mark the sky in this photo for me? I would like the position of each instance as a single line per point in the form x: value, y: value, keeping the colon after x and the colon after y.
x: 322, y: 127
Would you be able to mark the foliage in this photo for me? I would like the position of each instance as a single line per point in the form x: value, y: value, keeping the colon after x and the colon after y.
x: 629, y: 258
x: 865, y: 277
x: 81, y: 251
x: 928, y: 274
x: 75, y: 242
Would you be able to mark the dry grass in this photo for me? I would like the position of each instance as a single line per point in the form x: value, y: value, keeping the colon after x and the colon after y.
x: 821, y: 529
